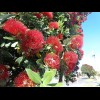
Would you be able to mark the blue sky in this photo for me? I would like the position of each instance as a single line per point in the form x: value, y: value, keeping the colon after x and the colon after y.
x: 91, y: 30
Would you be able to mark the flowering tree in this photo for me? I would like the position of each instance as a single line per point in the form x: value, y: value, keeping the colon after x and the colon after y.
x: 35, y: 47
x: 88, y: 70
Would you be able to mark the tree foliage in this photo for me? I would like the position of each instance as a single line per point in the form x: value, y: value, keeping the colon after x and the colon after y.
x: 88, y: 70
x: 38, y: 46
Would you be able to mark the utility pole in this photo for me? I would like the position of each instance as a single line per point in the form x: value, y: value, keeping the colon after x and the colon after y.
x: 93, y: 56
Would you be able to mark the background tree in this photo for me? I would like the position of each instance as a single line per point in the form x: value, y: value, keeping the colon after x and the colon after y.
x: 88, y: 70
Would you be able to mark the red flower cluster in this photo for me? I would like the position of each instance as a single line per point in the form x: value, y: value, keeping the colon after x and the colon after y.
x: 22, y: 80
x: 52, y: 60
x: 38, y: 15
x: 79, y: 31
x: 3, y: 72
x: 70, y: 59
x: 33, y: 42
x: 54, y: 25
x: 77, y: 17
x: 48, y: 14
x: 81, y: 54
x: 14, y: 27
x: 54, y: 41
x: 60, y: 36
x: 76, y: 42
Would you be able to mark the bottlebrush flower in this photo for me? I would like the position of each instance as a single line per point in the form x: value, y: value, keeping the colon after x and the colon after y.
x: 14, y: 27
x: 60, y: 36
x: 48, y: 14
x: 3, y: 72
x: 22, y: 80
x: 76, y: 42
x: 81, y: 54
x: 52, y: 60
x: 34, y: 41
x: 54, y: 41
x: 38, y: 15
x: 84, y: 19
x: 70, y: 59
x: 79, y: 31
x: 54, y: 25
x: 70, y: 12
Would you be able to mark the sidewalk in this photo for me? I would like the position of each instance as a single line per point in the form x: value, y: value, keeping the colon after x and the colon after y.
x: 85, y: 82
x: 81, y: 82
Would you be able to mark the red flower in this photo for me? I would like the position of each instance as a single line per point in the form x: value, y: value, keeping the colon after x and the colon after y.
x: 38, y: 15
x: 48, y: 14
x: 70, y: 59
x: 25, y: 47
x: 76, y: 42
x: 3, y: 72
x: 79, y: 30
x: 85, y: 18
x: 52, y: 60
x: 14, y: 27
x: 54, y: 41
x: 54, y: 25
x: 34, y: 42
x: 81, y: 54
x: 70, y: 12
x: 22, y: 80
x: 60, y: 36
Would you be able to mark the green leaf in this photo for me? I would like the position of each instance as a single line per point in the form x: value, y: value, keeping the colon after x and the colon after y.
x: 65, y: 19
x: 3, y: 18
x: 35, y: 77
x: 5, y: 56
x: 9, y: 38
x: 3, y: 44
x: 59, y: 85
x: 7, y: 45
x: 42, y: 85
x: 75, y: 27
x: 47, y: 79
x: 78, y: 17
x: 14, y: 44
x: 19, y: 60
x: 48, y: 76
x: 66, y: 41
x: 41, y: 66
x: 52, y: 84
x: 60, y: 23
x: 39, y: 61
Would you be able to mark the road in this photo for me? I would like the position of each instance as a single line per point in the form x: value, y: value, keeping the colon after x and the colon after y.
x: 84, y: 82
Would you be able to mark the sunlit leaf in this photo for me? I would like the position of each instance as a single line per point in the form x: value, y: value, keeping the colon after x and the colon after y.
x: 19, y: 60
x: 48, y: 76
x: 59, y: 85
x: 9, y: 38
x: 35, y: 77
x: 14, y: 44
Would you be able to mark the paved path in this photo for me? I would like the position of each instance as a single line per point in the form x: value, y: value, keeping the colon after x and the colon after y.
x: 84, y: 82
